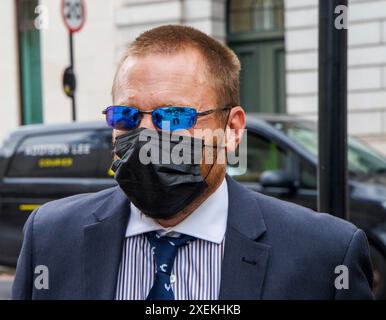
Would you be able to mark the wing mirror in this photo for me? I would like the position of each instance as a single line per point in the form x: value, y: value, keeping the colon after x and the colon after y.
x: 279, y: 181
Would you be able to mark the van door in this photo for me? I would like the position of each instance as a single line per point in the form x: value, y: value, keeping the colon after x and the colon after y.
x: 45, y: 167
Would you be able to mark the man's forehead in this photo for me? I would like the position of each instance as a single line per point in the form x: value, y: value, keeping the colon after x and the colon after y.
x: 184, y: 61
x: 158, y: 76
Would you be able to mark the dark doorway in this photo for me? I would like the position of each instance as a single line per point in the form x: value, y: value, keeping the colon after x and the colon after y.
x: 256, y: 34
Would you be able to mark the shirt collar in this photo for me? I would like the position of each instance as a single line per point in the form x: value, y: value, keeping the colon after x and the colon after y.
x: 207, y: 222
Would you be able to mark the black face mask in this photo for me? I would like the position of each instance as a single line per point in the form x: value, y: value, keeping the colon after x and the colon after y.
x: 160, y: 190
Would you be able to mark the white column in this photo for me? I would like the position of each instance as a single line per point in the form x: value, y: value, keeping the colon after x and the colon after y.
x: 9, y: 79
x: 94, y: 48
x: 133, y: 17
x: 366, y: 59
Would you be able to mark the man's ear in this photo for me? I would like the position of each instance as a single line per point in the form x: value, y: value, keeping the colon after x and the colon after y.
x: 113, y: 137
x: 115, y: 134
x: 235, y: 128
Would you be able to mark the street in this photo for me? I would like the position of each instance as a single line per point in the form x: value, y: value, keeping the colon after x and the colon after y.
x: 6, y: 278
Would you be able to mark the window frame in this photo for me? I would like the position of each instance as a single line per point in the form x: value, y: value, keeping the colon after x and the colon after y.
x: 251, y: 35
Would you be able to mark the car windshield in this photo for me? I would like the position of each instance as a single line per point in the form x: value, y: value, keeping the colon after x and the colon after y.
x: 362, y: 159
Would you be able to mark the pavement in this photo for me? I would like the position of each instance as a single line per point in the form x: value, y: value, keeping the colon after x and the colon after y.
x: 6, y: 279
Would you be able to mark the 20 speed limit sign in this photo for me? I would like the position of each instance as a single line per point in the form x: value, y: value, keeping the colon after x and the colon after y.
x: 74, y: 14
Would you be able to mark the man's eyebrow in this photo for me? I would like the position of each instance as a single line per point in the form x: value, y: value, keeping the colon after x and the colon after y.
x: 154, y: 106
x: 175, y: 104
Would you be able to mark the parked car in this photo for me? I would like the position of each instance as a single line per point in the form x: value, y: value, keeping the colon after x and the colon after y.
x: 39, y: 163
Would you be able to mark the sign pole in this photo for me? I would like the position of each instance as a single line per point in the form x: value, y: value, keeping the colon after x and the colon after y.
x: 74, y: 15
x: 332, y: 165
x: 73, y: 99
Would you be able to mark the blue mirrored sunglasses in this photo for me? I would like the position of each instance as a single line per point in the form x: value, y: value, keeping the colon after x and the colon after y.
x: 175, y: 117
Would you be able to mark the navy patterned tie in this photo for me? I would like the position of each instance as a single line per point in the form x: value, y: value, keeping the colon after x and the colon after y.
x: 165, y: 250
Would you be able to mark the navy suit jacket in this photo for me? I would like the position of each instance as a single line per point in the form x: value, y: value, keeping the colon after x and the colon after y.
x: 273, y: 249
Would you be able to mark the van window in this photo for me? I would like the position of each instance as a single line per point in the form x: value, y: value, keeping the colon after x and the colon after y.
x: 61, y: 154
x: 105, y: 154
x: 262, y: 155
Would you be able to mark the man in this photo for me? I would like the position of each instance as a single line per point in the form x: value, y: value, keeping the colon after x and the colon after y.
x: 185, y: 231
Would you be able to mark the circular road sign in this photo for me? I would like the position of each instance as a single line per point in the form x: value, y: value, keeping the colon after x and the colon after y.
x: 74, y: 14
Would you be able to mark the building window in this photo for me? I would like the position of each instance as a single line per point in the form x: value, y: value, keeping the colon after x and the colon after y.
x: 30, y: 63
x: 255, y: 32
x: 251, y: 16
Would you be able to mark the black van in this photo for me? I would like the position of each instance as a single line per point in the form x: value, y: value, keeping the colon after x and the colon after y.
x: 39, y: 163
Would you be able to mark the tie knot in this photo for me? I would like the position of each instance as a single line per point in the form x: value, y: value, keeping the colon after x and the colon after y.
x: 158, y: 240
x: 165, y: 249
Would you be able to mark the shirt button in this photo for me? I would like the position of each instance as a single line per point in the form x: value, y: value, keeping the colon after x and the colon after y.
x: 172, y: 278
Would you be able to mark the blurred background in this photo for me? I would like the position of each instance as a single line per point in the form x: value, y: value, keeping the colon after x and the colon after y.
x: 277, y: 43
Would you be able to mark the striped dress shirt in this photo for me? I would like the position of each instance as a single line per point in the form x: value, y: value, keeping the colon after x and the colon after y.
x: 196, y: 272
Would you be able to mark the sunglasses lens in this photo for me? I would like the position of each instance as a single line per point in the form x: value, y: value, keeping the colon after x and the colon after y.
x: 174, y: 118
x: 122, y: 118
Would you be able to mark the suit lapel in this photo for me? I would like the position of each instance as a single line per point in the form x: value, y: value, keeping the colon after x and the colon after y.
x: 103, y: 242
x: 245, y: 259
